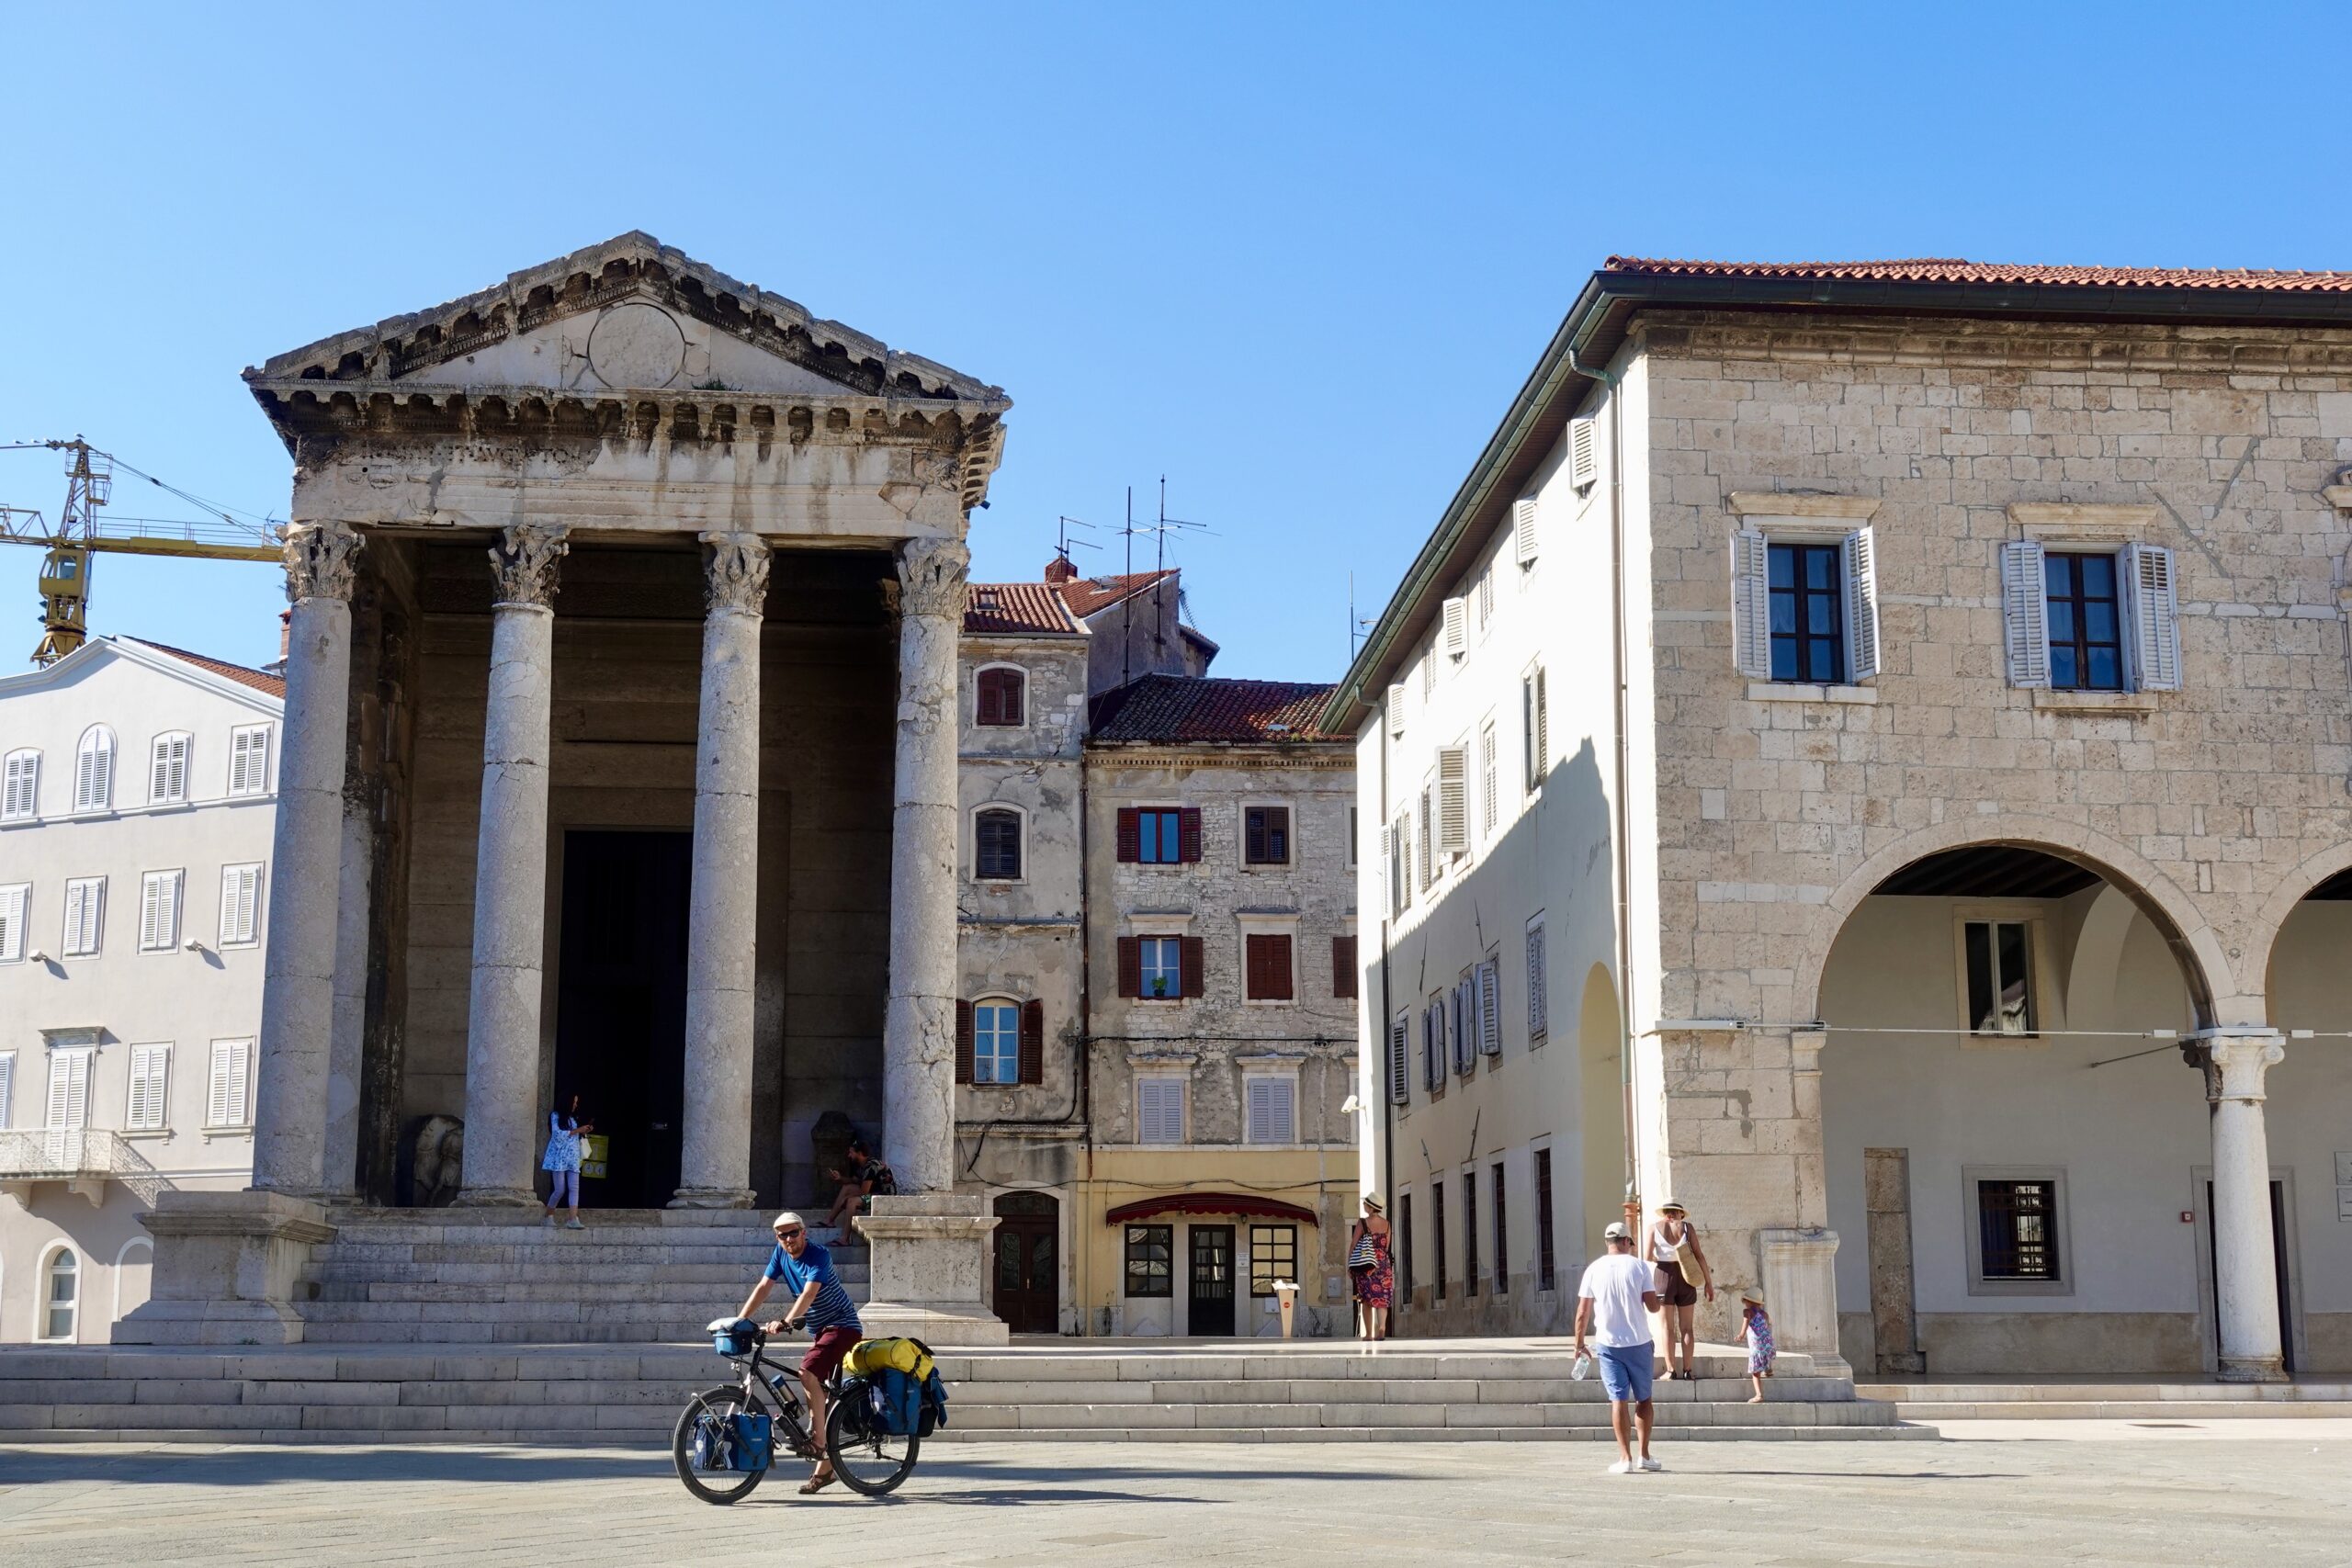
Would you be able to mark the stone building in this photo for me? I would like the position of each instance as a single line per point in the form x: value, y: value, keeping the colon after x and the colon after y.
x: 137, y: 785
x: 1857, y: 731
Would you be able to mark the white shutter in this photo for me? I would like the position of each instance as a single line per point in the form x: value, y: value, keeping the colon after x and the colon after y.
x: 1860, y: 561
x: 7, y: 1087
x: 150, y: 1071
x: 167, y: 775
x: 1400, y: 1079
x: 85, y: 915
x: 1458, y: 635
x: 1396, y: 708
x: 240, y: 903
x: 1543, y: 731
x: 1460, y: 1026
x: 1584, y: 454
x: 1282, y: 1110
x: 1259, y: 1093
x: 225, y: 1100
x: 1453, y: 806
x: 1490, y: 800
x: 1522, y: 529
x: 86, y: 775
x: 69, y: 1089
x: 1751, y: 605
x: 249, y: 761
x: 1432, y: 1047
x: 159, y: 911
x: 1490, y: 1008
x: 2025, y: 612
x: 1486, y: 598
x: 20, y: 789
x: 2156, y: 617
x: 1539, y: 1003
x: 14, y: 902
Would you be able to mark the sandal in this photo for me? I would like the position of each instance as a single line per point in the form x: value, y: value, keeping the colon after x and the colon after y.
x: 817, y: 1483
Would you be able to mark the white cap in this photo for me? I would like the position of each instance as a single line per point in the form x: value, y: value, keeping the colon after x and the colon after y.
x: 1617, y: 1231
x: 787, y: 1218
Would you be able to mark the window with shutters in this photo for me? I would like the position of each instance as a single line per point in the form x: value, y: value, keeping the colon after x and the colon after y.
x: 61, y: 1296
x: 1265, y: 835
x: 1539, y: 1003
x: 1534, y: 728
x: 1001, y: 693
x: 1352, y: 831
x: 1452, y: 800
x: 15, y: 904
x: 1584, y: 453
x: 1437, y: 1239
x: 2017, y: 1243
x: 227, y: 1099
x: 1461, y: 1023
x: 996, y: 844
x: 1150, y: 1250
x: 1469, y: 1234
x: 1429, y: 833
x: 1397, y: 710
x: 1343, y: 967
x: 1271, y: 1105
x: 159, y: 911
x: 1489, y: 770
x: 249, y: 760
x: 1404, y: 1257
x: 20, y: 787
x: 1159, y: 968
x: 86, y: 907
x: 240, y: 905
x: 167, y: 770
x: 1266, y: 967
x: 1487, y: 982
x: 7, y: 1090
x: 1546, y: 1277
x: 93, y: 770
x: 1163, y: 835
x: 1401, y: 1070
x: 1524, y: 540
x: 1400, y: 865
x: 1429, y: 675
x: 1159, y: 1108
x: 151, y: 1068
x: 69, y: 1090
x: 1502, y: 1228
x: 2085, y: 621
x: 2090, y: 620
x: 1807, y: 607
x: 1485, y: 599
x: 1433, y: 1046
x: 996, y: 1041
x: 1273, y: 1255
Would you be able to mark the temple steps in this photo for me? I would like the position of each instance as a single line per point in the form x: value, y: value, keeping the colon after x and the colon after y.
x: 2157, y: 1399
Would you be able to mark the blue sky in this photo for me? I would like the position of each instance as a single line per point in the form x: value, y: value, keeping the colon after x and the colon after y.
x: 1297, y: 259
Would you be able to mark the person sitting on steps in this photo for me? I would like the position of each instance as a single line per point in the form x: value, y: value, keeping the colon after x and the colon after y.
x: 863, y: 1177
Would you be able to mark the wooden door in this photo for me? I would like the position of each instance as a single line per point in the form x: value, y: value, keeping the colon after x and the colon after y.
x: 1028, y: 1262
x: 1212, y: 1276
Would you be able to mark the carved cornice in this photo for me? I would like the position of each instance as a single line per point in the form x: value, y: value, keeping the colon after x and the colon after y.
x: 734, y: 573
x: 321, y: 560
x: 931, y: 578
x: 524, y: 562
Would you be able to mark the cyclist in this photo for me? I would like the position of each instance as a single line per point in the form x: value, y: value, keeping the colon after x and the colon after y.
x: 821, y: 1305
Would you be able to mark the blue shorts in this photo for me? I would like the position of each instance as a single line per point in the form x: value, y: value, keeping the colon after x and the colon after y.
x: 1627, y: 1370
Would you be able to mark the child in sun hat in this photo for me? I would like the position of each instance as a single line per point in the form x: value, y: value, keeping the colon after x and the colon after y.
x: 1757, y: 1329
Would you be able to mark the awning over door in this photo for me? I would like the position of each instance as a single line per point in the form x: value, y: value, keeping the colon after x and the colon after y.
x: 1211, y: 1203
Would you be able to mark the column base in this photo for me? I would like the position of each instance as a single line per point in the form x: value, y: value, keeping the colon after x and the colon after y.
x: 227, y: 1267
x: 1801, y: 1292
x: 930, y: 1257
x: 714, y: 1197
x: 2252, y: 1368
x: 497, y: 1198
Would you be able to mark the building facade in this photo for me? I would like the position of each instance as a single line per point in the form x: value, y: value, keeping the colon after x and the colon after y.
x: 1927, y: 732
x: 137, y: 796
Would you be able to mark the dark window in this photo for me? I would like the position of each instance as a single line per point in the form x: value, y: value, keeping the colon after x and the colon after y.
x: 2018, y: 1228
x: 997, y: 852
x: 1344, y: 966
x: 1159, y: 840
x: 1808, y: 614
x: 1273, y: 1255
x: 2085, y: 634
x: 1268, y: 970
x: 1545, y: 1279
x: 1266, y: 835
x: 1470, y: 1235
x: 1437, y: 1253
x: 1149, y: 1248
x: 2000, y: 983
x: 1000, y: 696
x: 1405, y: 1250
x: 1502, y: 1236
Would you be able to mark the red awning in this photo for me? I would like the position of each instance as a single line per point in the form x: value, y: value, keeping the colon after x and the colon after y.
x: 1211, y: 1203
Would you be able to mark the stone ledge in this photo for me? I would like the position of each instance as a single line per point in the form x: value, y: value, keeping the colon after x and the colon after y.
x: 1801, y: 692
x: 2067, y: 520
x: 1772, y: 503
x: 2109, y: 704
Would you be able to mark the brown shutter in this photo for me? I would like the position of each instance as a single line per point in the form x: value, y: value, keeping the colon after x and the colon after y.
x: 1194, y: 958
x: 1278, y: 959
x: 985, y: 704
x: 1130, y: 965
x: 1032, y: 1042
x: 1344, y: 966
x: 963, y: 1042
x: 1188, y: 833
x: 1130, y: 842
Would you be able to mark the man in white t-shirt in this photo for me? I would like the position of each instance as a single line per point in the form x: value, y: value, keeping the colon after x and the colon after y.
x: 1614, y: 1304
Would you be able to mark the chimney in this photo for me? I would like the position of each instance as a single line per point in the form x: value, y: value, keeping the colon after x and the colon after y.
x: 1059, y: 569
x: 285, y: 635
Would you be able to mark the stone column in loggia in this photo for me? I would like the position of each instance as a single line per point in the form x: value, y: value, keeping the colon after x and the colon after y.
x: 2244, y: 1271
x: 723, y: 916
x: 509, y: 877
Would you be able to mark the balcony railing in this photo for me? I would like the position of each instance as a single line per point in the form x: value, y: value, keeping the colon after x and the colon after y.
x: 84, y: 1158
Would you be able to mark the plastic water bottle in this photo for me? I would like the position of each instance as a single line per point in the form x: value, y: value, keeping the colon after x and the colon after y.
x: 1582, y: 1370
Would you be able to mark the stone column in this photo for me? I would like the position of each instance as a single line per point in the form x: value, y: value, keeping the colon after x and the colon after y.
x: 2246, y: 1282
x: 509, y: 877
x: 299, y: 972
x: 723, y: 922
x: 918, y: 1022
x: 346, y: 1048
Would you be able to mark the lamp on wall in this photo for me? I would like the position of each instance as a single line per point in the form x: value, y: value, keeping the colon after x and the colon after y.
x: 192, y: 945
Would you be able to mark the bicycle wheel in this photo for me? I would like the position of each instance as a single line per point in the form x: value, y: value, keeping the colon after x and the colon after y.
x: 721, y: 1486
x: 869, y: 1461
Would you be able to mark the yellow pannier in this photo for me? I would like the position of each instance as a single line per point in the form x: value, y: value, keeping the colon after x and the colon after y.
x: 867, y: 1357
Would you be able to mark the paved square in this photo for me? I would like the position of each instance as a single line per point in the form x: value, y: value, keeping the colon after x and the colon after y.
x: 2271, y: 1492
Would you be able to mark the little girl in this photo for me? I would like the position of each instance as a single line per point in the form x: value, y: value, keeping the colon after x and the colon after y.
x: 1757, y: 1329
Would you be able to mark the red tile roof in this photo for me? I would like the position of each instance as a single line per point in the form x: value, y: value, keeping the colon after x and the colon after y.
x: 260, y: 680
x: 1090, y: 596
x: 1178, y: 708
x: 1020, y: 608
x: 1946, y: 269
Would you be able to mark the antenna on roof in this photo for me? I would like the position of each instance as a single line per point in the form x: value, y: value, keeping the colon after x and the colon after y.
x: 1062, y: 541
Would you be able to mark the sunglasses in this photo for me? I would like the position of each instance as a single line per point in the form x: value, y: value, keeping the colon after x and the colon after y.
x: 787, y: 1235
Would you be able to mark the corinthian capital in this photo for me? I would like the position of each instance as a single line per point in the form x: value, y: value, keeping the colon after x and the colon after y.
x: 322, y: 559
x: 734, y: 573
x: 2244, y: 1060
x: 931, y: 577
x: 523, y: 561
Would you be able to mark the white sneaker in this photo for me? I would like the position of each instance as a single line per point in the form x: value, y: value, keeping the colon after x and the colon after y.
x: 574, y: 1225
x: 548, y: 1224
x: 1649, y: 1463
x: 1622, y: 1467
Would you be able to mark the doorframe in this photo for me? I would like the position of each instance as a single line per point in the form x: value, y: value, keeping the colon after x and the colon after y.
x: 2208, y: 1315
x: 1064, y: 1281
x: 1233, y: 1263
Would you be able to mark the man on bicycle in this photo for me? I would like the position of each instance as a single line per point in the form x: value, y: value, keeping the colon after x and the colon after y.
x: 821, y: 1305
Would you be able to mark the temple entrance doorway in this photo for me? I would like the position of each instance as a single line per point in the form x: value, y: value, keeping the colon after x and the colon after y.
x: 620, y: 1033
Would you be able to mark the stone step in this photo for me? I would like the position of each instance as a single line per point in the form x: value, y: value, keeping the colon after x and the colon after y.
x: 2158, y: 1412
x: 728, y: 1289
x: 544, y: 1249
x: 2057, y: 1391
x: 340, y: 1273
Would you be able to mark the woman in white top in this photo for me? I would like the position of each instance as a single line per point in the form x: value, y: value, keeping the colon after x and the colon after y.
x: 1677, y: 1295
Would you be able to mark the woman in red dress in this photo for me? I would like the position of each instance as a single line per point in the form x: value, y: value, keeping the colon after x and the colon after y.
x: 1370, y: 1273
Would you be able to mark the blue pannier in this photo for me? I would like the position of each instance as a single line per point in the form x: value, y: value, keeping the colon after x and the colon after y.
x: 895, y: 1402
x: 737, y: 1442
x: 934, y: 1405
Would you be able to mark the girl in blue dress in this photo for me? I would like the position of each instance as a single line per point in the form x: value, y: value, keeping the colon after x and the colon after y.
x: 563, y: 1162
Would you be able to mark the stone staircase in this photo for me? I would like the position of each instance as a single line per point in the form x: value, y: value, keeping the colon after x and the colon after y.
x: 488, y: 1277
x: 2154, y: 1399
x: 1062, y: 1390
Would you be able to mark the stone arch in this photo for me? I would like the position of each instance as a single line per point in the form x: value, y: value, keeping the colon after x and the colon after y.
x: 2292, y: 889
x: 2213, y: 990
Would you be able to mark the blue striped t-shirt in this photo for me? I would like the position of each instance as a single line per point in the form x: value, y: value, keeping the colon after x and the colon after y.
x: 832, y: 1308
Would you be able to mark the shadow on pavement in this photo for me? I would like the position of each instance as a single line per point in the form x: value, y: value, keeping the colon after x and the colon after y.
x: 259, y: 1466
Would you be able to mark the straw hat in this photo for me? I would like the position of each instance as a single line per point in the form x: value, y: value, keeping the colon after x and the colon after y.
x: 1371, y: 1201
x: 1671, y: 1207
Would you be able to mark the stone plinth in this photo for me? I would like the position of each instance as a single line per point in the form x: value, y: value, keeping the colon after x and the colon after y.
x: 930, y: 1265
x: 1799, y: 1269
x: 226, y: 1269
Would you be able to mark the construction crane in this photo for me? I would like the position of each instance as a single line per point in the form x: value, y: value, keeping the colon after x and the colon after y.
x: 80, y: 534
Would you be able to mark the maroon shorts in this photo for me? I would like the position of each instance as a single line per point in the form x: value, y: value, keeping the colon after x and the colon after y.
x: 1678, y: 1291
x: 824, y: 1356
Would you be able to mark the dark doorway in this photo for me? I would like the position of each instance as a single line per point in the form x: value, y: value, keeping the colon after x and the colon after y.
x: 1212, y: 1280
x: 2278, y: 1264
x: 620, y: 1019
x: 1028, y: 1262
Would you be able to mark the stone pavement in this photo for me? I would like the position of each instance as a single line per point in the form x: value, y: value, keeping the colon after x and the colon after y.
x: 2274, y: 1498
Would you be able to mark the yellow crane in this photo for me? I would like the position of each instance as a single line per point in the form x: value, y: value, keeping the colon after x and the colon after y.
x: 80, y: 534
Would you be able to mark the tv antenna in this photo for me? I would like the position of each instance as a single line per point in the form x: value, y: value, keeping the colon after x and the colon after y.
x: 1062, y: 541
x: 1159, y: 529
